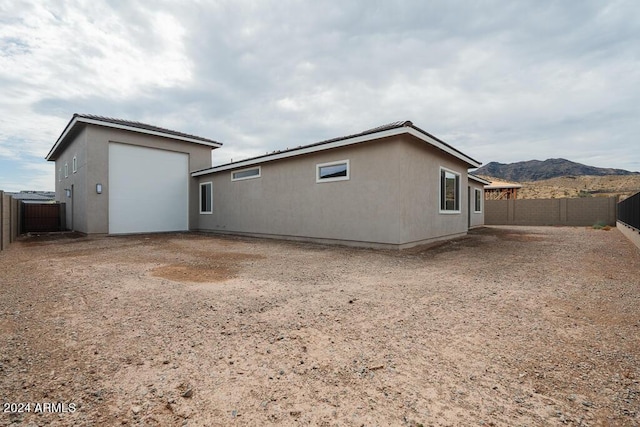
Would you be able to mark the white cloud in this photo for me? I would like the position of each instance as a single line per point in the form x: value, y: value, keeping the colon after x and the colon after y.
x: 51, y: 52
x: 500, y: 81
x: 86, y: 48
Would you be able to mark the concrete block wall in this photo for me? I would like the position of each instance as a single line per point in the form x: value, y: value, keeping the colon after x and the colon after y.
x: 630, y: 233
x: 15, y: 219
x: 9, y: 214
x: 5, y: 220
x: 570, y: 212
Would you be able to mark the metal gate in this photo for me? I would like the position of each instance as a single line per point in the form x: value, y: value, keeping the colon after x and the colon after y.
x: 42, y: 217
x: 629, y: 211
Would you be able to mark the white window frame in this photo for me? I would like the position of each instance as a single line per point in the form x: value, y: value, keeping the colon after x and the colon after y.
x: 203, y: 184
x: 66, y: 170
x: 475, y: 199
x: 74, y: 164
x: 259, y: 175
x: 337, y: 178
x: 459, y: 191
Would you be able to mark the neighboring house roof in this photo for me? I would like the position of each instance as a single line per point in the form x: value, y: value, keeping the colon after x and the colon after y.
x: 478, y: 179
x: 45, y: 196
x: 496, y: 185
x: 78, y: 121
x: 391, y: 129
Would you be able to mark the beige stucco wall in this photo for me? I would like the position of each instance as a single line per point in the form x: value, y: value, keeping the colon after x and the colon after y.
x: 91, y: 146
x: 391, y: 198
x: 476, y: 218
x: 75, y: 212
x: 419, y: 189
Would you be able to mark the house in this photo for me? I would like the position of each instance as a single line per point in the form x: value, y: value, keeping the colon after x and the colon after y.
x: 394, y: 186
x: 501, y: 190
x: 118, y: 176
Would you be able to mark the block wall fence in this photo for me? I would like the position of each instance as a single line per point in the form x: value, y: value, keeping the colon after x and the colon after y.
x: 9, y: 220
x: 569, y: 212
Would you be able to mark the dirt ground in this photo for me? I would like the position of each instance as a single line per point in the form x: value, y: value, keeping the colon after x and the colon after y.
x: 510, y: 326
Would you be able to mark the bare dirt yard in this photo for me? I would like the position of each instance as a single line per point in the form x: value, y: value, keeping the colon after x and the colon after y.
x: 510, y: 326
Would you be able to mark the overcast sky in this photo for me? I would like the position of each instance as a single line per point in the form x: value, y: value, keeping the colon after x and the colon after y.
x: 501, y: 81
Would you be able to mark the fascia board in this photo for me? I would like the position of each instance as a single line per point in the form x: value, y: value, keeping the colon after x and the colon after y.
x: 299, y: 152
x: 337, y: 144
x: 148, y: 132
x: 76, y: 120
x: 478, y: 179
x: 66, y: 131
x: 498, y: 187
x: 443, y: 147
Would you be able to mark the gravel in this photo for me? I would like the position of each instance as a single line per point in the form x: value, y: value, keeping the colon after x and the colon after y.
x: 510, y: 326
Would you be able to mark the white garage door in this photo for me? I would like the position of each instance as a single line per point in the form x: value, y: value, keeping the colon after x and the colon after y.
x: 148, y: 190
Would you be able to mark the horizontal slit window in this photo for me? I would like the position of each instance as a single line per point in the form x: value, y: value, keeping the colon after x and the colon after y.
x: 333, y: 171
x: 246, y: 174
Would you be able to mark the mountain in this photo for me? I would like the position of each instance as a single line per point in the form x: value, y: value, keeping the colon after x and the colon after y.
x: 581, y: 186
x: 536, y: 170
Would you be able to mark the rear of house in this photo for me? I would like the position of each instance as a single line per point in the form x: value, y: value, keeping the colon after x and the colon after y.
x: 396, y: 186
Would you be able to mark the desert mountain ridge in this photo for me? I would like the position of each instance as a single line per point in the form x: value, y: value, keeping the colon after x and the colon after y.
x: 578, y: 186
x: 537, y: 170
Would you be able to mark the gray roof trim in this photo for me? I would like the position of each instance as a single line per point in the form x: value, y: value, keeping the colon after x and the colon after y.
x: 498, y: 185
x: 478, y: 179
x: 392, y: 129
x: 80, y: 119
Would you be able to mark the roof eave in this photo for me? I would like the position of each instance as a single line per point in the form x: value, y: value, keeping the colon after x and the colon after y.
x: 341, y: 143
x: 76, y: 120
x: 478, y: 179
x: 426, y: 137
x: 149, y: 132
x: 63, y: 135
x: 501, y: 187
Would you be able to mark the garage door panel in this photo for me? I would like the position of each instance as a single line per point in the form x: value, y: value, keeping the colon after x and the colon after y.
x: 148, y: 190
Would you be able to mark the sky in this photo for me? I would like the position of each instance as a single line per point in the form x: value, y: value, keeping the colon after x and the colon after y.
x: 501, y: 81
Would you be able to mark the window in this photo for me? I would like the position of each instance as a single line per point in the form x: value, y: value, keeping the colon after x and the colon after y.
x: 449, y: 191
x: 245, y: 174
x: 59, y: 174
x: 333, y: 171
x: 74, y: 164
x: 66, y: 170
x: 478, y: 201
x: 206, y: 197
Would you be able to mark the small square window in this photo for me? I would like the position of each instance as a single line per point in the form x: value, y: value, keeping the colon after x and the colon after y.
x: 332, y: 171
x: 206, y: 198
